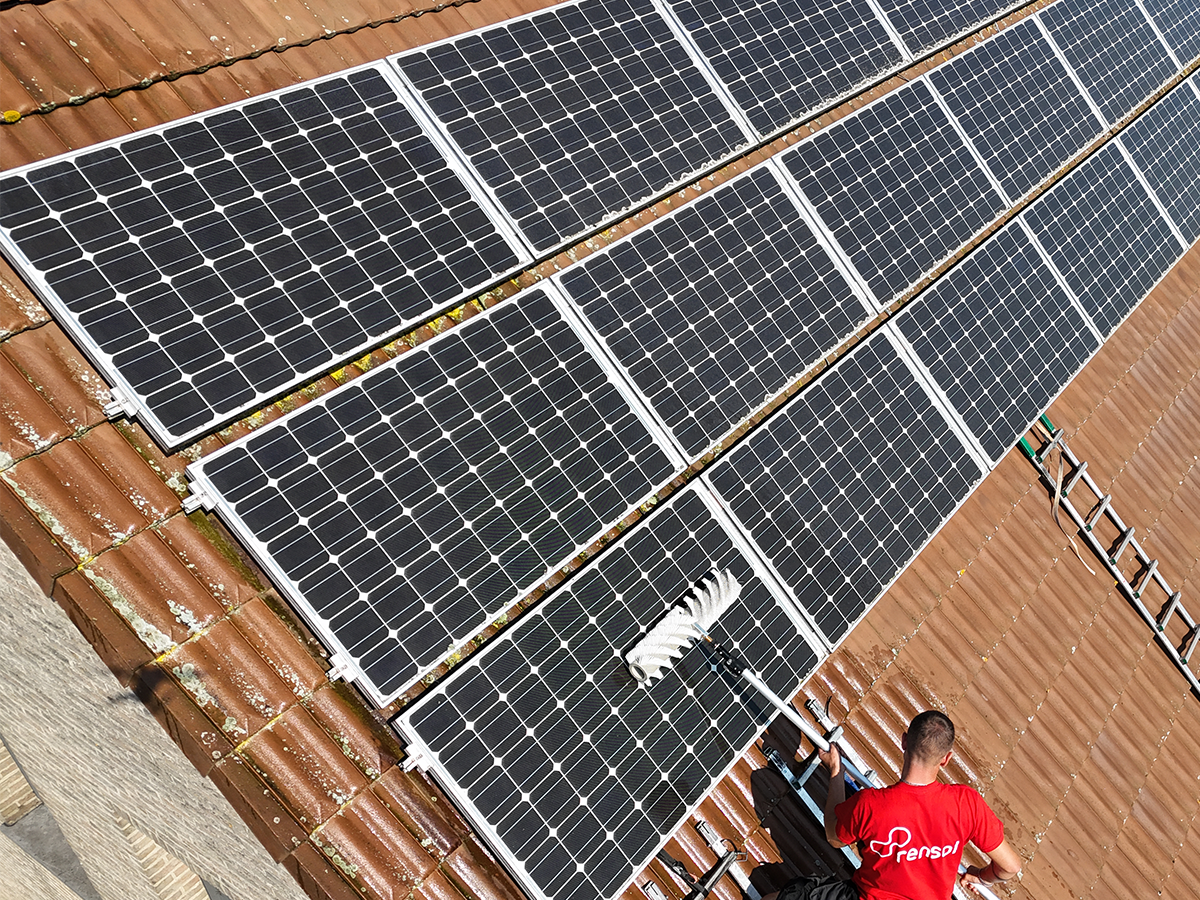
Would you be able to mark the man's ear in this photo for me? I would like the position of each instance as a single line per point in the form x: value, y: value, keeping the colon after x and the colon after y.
x: 946, y: 759
x: 904, y: 742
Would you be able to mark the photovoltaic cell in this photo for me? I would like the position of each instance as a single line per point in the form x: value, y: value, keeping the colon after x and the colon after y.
x: 897, y: 185
x: 925, y: 24
x: 226, y: 258
x: 1018, y: 106
x: 1000, y: 336
x: 1164, y: 142
x: 575, y: 113
x: 783, y: 58
x: 1179, y: 21
x: 575, y: 773
x: 718, y: 306
x: 1112, y: 48
x: 408, y: 508
x: 1105, y: 236
x: 843, y: 486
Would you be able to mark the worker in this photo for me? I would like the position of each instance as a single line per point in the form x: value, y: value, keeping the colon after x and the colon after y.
x: 911, y: 835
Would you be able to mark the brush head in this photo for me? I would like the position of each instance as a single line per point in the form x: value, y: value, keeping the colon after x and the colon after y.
x: 666, y: 642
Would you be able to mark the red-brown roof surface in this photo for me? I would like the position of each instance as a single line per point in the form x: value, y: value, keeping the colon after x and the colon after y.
x: 1077, y: 729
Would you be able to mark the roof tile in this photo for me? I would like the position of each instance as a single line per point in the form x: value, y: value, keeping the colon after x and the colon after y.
x: 104, y: 41
x: 304, y: 766
x: 28, y: 140
x: 113, y: 639
x: 151, y: 588
x: 258, y: 806
x: 437, y: 887
x: 13, y: 94
x: 27, y: 423
x: 235, y: 28
x: 340, y: 712
x: 171, y: 38
x: 317, y: 876
x: 229, y: 680
x: 51, y: 362
x: 151, y: 105
x: 39, y: 551
x: 377, y: 853
x: 74, y: 500
x: 19, y: 306
x: 473, y: 871
x: 422, y: 809
x: 280, y: 647
x: 205, y: 562
x: 144, y: 487
x: 90, y: 123
x: 175, y: 709
x: 43, y: 60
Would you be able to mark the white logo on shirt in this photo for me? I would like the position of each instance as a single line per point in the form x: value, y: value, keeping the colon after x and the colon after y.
x: 899, y: 837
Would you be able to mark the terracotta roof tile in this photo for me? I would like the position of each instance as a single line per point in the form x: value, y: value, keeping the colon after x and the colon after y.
x: 437, y: 887
x: 19, y: 308
x: 144, y: 487
x: 235, y: 28
x: 100, y: 37
x: 48, y: 359
x: 13, y: 95
x: 27, y: 141
x: 201, y: 741
x: 317, y: 876
x: 109, y: 634
x: 473, y: 871
x: 337, y: 709
x: 223, y: 581
x: 304, y: 766
x: 259, y: 807
x: 281, y: 649
x: 82, y: 126
x: 374, y: 850
x: 27, y: 423
x: 422, y: 809
x: 150, y: 106
x: 43, y: 60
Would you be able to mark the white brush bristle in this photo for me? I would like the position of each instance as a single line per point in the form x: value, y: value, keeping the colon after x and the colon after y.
x: 655, y: 653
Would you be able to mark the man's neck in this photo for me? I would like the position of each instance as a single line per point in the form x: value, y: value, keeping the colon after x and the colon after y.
x: 918, y: 775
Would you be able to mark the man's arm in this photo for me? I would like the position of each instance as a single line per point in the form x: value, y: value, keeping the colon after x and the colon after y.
x: 1005, y: 864
x: 837, y: 793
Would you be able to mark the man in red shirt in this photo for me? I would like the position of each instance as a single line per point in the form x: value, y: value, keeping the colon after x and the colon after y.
x: 911, y: 835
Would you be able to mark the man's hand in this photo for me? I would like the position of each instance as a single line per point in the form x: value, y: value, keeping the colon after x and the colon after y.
x: 832, y: 759
x: 1005, y: 864
x: 973, y: 876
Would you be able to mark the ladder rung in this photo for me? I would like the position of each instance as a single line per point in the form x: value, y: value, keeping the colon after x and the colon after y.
x: 1125, y: 539
x: 1079, y: 470
x: 1101, y: 509
x: 1150, y: 570
x: 1168, y: 610
x: 1188, y: 647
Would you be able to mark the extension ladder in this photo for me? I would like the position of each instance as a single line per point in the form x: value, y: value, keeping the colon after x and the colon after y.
x: 1147, y: 574
x: 835, y: 734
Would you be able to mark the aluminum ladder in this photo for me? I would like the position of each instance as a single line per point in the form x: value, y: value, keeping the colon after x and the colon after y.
x: 835, y: 734
x: 1147, y: 575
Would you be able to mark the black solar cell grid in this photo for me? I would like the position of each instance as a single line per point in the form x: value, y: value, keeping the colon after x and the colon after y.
x: 405, y: 510
x: 1164, y: 143
x: 718, y: 306
x: 1000, y: 337
x: 1112, y: 48
x: 842, y: 487
x: 1105, y: 235
x: 226, y: 258
x: 576, y: 113
x: 925, y: 24
x: 898, y: 187
x: 781, y: 59
x: 578, y: 774
x: 1179, y: 21
x: 1018, y: 105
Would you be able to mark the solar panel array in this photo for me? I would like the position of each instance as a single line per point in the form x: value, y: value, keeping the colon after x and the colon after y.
x: 718, y: 306
x: 781, y: 59
x: 216, y: 262
x: 575, y: 113
x: 1113, y: 49
x: 897, y: 185
x: 580, y: 774
x: 925, y: 24
x: 1105, y: 235
x: 1179, y: 21
x: 842, y: 487
x: 1164, y: 144
x: 1018, y: 105
x: 410, y: 507
x: 1000, y: 336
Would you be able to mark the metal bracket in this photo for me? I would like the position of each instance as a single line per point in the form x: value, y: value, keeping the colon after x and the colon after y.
x: 198, y: 497
x: 119, y: 404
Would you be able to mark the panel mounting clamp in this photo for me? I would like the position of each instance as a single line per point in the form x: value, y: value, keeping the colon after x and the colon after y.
x: 199, y: 497
x: 120, y: 404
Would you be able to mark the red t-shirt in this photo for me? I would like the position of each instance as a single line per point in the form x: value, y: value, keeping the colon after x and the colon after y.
x: 912, y: 837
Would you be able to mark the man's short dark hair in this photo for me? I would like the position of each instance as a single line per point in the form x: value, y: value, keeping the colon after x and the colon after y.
x: 930, y: 736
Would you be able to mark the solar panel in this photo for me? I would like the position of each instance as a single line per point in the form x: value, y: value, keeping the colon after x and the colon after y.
x: 925, y: 24
x: 1164, y: 143
x: 575, y: 774
x: 1000, y: 336
x: 718, y: 306
x: 842, y: 487
x: 1112, y: 48
x: 223, y: 259
x: 1105, y: 235
x: 1018, y: 105
x: 897, y: 185
x: 408, y: 508
x: 576, y: 113
x: 781, y: 59
x: 1179, y: 21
